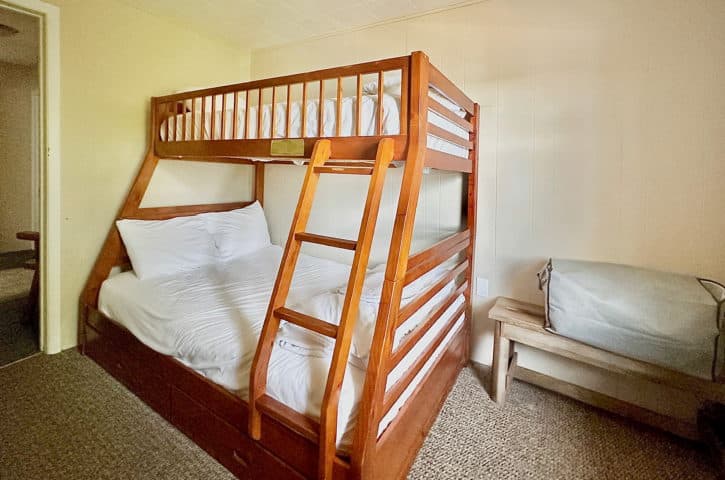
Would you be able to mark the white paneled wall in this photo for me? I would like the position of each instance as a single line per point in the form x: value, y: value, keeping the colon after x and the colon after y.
x: 602, y: 134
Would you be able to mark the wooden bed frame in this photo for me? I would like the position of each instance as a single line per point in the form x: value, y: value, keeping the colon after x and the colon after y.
x: 287, y: 444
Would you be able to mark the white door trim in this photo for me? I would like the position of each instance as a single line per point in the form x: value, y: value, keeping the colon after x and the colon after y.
x: 49, y: 72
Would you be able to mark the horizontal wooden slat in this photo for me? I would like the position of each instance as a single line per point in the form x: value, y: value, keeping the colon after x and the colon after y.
x: 290, y: 418
x: 392, y: 395
x: 325, y: 240
x: 420, y: 410
x: 437, y: 259
x: 446, y: 161
x: 416, y: 259
x: 346, y: 148
x: 437, y: 131
x: 325, y: 74
x: 165, y: 213
x: 414, y: 337
x: 433, y: 257
x: 345, y: 170
x: 450, y: 90
x: 446, y: 113
x: 305, y: 321
x: 409, y: 309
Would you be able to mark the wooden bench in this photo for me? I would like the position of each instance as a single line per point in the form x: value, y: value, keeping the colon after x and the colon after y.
x: 523, y: 323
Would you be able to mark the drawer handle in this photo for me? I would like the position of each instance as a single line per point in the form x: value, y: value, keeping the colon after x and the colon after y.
x: 239, y: 459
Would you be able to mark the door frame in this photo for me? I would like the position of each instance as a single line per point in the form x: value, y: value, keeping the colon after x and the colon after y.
x: 49, y: 82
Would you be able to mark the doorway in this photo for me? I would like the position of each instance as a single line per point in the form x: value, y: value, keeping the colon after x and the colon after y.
x: 20, y: 166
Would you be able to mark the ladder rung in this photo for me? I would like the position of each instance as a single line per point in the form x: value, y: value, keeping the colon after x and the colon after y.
x: 345, y: 170
x: 325, y: 240
x: 311, y: 323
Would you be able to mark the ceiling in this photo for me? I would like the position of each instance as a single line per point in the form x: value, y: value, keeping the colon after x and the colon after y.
x: 257, y: 24
x: 21, y: 48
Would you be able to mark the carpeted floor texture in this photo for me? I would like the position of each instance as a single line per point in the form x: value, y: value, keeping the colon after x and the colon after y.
x: 62, y: 416
x: 18, y: 339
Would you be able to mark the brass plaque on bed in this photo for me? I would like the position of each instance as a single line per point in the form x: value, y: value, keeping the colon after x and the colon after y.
x: 287, y: 147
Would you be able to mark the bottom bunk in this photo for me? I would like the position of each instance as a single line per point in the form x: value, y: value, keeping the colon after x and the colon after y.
x: 216, y: 419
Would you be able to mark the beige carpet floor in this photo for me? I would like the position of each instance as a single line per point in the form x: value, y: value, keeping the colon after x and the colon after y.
x: 15, y: 283
x: 62, y: 417
x: 17, y: 337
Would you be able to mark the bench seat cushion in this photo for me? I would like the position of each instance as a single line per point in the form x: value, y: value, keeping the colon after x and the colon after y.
x: 662, y: 318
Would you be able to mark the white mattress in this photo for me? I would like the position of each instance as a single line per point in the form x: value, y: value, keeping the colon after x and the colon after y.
x: 210, y: 319
x: 390, y: 122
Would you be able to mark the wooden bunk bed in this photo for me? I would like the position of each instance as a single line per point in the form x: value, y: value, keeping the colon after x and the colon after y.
x: 262, y: 437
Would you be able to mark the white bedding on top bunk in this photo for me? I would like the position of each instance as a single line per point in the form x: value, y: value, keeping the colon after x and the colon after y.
x: 210, y: 319
x: 390, y: 122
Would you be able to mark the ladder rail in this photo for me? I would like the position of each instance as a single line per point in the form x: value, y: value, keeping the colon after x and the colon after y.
x: 260, y: 365
x: 343, y: 331
x: 338, y: 365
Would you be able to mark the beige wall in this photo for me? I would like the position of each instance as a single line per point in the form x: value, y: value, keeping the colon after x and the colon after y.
x: 602, y: 134
x: 17, y: 83
x: 114, y: 58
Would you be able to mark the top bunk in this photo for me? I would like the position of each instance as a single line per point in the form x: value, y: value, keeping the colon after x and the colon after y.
x: 278, y: 120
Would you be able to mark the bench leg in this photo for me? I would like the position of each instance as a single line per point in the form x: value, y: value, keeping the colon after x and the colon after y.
x: 502, y: 353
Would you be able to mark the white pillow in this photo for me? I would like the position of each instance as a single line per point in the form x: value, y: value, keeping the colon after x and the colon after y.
x: 238, y: 232
x: 163, y: 247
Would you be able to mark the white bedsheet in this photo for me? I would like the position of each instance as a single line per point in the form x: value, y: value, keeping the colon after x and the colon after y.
x: 210, y: 319
x: 390, y: 122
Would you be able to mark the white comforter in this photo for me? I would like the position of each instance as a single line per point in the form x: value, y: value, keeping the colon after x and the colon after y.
x: 210, y: 319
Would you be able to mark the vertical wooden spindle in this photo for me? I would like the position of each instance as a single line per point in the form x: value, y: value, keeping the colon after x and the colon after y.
x: 213, y: 117
x: 259, y: 113
x: 202, y: 135
x: 274, y: 112
x: 379, y: 118
x: 222, y: 135
x: 193, y: 118
x: 235, y: 114
x: 167, y: 108
x: 287, y: 132
x: 174, y: 107
x: 358, y: 105
x: 246, y: 114
x: 321, y: 109
x: 338, y: 120
x: 404, y: 102
x: 183, y: 120
x: 303, y: 123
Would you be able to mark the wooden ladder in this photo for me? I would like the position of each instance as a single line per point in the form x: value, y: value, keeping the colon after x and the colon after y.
x: 326, y: 431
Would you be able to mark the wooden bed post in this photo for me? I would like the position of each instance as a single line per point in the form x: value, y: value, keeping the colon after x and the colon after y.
x: 259, y: 183
x: 371, y: 403
x: 472, y: 204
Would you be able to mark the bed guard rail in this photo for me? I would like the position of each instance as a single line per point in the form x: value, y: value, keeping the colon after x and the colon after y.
x: 236, y: 112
